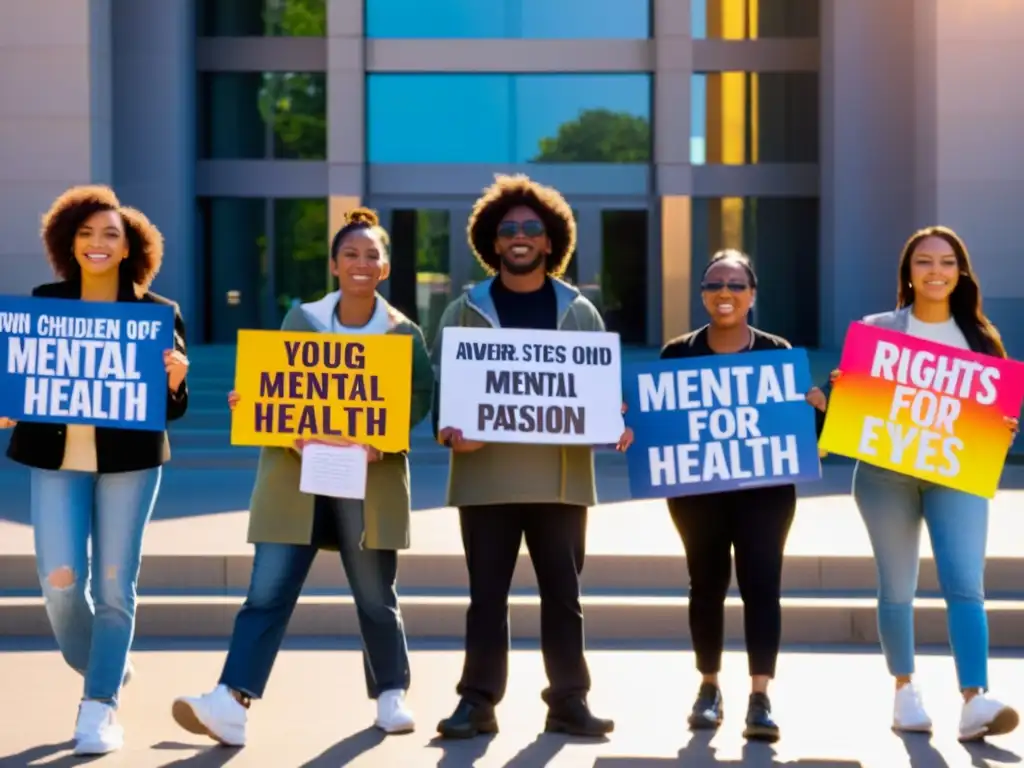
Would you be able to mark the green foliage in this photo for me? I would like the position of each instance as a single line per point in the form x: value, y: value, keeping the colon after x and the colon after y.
x: 296, y: 18
x: 599, y: 136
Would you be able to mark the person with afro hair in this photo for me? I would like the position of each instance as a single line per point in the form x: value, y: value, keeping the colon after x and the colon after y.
x: 524, y: 235
x: 97, y: 483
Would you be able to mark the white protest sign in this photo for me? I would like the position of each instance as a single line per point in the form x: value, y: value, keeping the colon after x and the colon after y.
x: 527, y: 386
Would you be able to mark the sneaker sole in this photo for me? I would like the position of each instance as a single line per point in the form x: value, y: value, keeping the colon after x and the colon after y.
x: 87, y: 750
x: 395, y: 730
x: 912, y: 728
x: 185, y: 716
x: 1005, y: 721
x: 768, y: 735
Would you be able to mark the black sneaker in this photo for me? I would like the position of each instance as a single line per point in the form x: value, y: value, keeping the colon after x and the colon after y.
x: 707, y: 710
x: 574, y: 718
x: 467, y: 721
x: 760, y: 725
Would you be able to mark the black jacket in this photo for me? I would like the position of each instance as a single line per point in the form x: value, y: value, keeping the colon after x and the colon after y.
x: 117, y: 450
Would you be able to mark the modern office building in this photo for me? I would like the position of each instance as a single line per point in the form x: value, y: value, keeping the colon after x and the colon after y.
x: 815, y: 134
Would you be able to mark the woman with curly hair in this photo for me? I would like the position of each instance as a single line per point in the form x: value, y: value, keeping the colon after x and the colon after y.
x: 524, y: 234
x: 97, y: 485
x: 289, y: 527
x: 938, y: 299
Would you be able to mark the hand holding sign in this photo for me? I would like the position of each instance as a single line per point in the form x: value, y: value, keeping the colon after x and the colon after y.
x: 453, y: 439
x: 176, y: 365
x: 6, y: 423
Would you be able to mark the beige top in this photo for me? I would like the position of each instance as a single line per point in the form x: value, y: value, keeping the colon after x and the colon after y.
x: 80, y: 448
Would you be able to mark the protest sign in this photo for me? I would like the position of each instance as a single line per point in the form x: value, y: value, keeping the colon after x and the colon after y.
x: 296, y: 385
x: 720, y: 422
x: 527, y: 386
x: 926, y: 410
x: 85, y: 362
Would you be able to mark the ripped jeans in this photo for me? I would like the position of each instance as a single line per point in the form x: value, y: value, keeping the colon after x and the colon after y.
x: 91, y: 604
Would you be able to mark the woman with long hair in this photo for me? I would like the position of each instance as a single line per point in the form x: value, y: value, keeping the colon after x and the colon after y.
x: 289, y: 527
x: 96, y: 486
x: 754, y: 521
x: 938, y: 299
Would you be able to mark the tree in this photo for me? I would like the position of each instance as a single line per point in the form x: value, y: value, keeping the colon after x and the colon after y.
x: 599, y: 136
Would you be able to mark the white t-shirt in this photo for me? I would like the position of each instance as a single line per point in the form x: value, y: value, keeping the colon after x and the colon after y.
x: 947, y: 332
x: 378, y: 324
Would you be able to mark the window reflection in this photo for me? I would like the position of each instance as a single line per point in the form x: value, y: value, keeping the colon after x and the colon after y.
x: 420, y: 281
x: 508, y: 118
x: 262, y: 115
x: 781, y: 236
x: 623, y: 297
x: 260, y: 18
x: 752, y: 19
x: 552, y: 19
x: 754, y: 117
x: 301, y: 250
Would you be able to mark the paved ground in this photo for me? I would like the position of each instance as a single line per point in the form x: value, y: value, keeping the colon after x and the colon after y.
x: 834, y: 710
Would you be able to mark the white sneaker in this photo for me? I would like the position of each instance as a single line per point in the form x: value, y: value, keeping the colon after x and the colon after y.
x: 216, y: 714
x: 97, y: 731
x: 983, y: 716
x: 908, y: 713
x: 393, y: 716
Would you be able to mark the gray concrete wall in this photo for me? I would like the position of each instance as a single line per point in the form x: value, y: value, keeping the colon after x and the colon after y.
x: 154, y: 135
x: 867, y: 157
x: 55, y: 119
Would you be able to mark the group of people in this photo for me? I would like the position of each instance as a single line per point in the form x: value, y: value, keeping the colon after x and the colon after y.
x: 100, y: 484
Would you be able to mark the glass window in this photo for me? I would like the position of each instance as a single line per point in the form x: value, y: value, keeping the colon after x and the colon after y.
x: 623, y: 297
x: 752, y: 117
x: 781, y: 236
x: 752, y: 19
x: 261, y: 18
x: 508, y: 118
x: 420, y: 281
x: 262, y: 115
x: 551, y: 19
x: 260, y: 257
x: 301, y: 250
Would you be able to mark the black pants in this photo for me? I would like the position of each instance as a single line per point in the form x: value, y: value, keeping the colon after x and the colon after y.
x: 756, y: 522
x: 556, y: 539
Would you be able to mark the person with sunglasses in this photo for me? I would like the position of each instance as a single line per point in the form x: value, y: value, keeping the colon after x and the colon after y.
x: 753, y: 521
x: 525, y: 234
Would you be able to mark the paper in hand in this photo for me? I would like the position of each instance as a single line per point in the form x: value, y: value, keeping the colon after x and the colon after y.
x: 337, y: 471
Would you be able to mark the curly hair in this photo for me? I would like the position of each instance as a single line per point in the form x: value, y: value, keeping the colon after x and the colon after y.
x: 66, y: 216
x: 508, y: 192
x: 360, y: 220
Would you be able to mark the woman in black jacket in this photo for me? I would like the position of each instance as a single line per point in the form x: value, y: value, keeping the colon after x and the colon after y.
x: 97, y: 485
x: 754, y: 521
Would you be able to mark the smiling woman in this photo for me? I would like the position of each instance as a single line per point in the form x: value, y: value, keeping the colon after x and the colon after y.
x: 86, y: 478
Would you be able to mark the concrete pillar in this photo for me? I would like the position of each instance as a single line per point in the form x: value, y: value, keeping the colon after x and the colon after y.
x: 346, y: 106
x: 55, y: 119
x: 867, y: 157
x: 154, y: 132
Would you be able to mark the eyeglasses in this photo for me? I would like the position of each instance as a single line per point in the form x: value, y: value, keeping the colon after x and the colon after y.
x: 717, y: 285
x: 529, y: 228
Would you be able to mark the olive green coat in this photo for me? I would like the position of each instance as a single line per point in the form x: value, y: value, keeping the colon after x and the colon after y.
x: 280, y: 513
x: 517, y: 473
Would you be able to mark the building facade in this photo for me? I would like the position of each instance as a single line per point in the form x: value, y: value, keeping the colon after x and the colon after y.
x: 814, y: 134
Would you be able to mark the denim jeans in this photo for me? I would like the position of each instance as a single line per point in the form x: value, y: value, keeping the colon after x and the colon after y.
x: 278, y: 573
x: 893, y: 506
x: 91, y: 605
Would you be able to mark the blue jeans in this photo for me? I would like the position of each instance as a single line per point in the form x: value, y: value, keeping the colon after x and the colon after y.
x: 91, y: 605
x: 278, y: 573
x: 893, y: 506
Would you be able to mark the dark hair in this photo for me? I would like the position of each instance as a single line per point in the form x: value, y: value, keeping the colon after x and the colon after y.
x: 359, y: 220
x: 964, y: 301
x: 508, y: 192
x: 734, y: 257
x: 70, y: 211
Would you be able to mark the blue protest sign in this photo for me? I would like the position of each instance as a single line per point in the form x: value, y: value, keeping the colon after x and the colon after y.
x: 82, y: 362
x: 721, y: 422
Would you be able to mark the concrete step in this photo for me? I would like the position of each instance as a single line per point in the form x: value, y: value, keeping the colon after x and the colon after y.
x: 843, y: 621
x: 804, y: 575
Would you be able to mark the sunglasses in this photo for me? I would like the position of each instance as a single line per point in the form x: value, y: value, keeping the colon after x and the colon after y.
x: 717, y: 285
x: 529, y: 228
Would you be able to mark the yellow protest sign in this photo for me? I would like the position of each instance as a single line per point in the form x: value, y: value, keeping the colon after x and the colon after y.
x: 301, y: 385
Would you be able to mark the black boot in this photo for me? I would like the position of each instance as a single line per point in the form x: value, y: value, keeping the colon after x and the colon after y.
x: 760, y: 725
x: 573, y: 716
x: 468, y: 720
x: 707, y: 710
